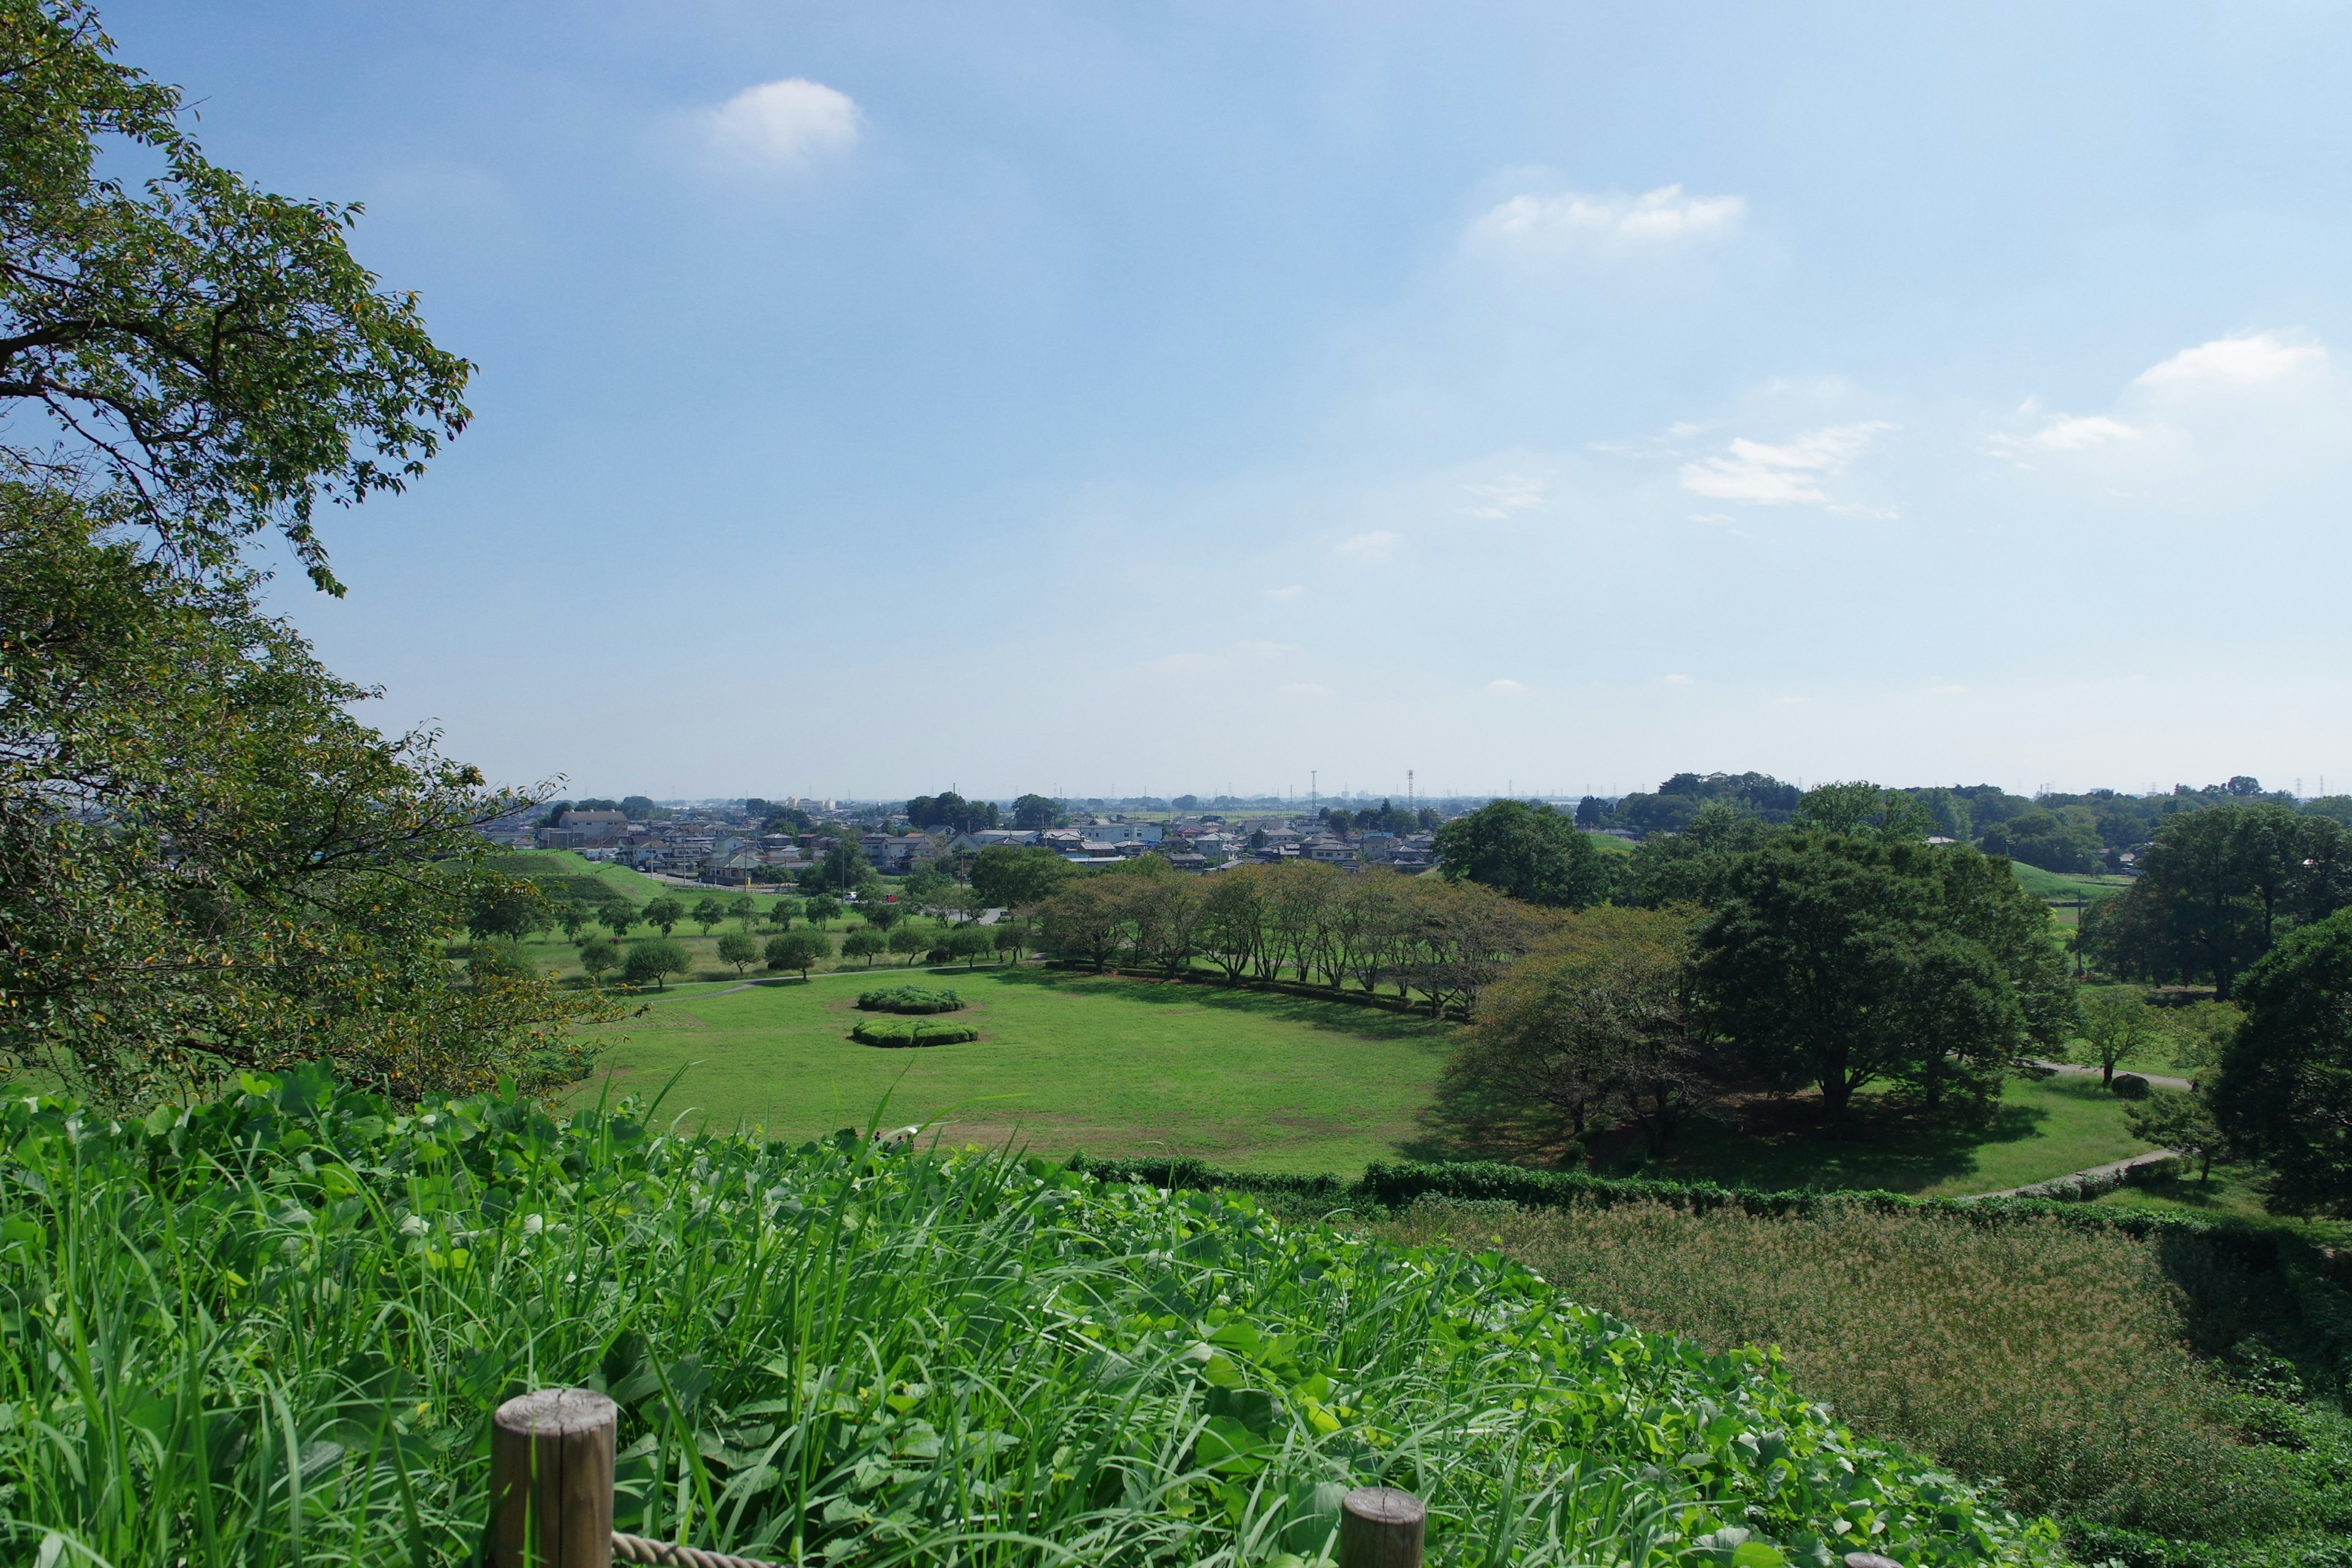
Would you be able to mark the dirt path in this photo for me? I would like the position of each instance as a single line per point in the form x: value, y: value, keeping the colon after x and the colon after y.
x: 2098, y: 1178
x: 2075, y: 1069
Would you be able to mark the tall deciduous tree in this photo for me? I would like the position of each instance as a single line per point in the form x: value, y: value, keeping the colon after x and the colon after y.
x: 2284, y: 1092
x: 1843, y: 961
x: 2118, y: 1025
x: 207, y: 861
x: 1598, y: 1018
x: 1531, y: 852
x: 2220, y: 887
x: 1015, y: 876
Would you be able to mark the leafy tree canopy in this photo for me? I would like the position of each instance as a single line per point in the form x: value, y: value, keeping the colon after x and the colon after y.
x: 951, y: 811
x: 1531, y: 852
x: 2285, y: 1093
x: 1035, y: 812
x: 1847, y: 958
x: 196, y: 356
x: 2218, y: 888
x: 1015, y: 876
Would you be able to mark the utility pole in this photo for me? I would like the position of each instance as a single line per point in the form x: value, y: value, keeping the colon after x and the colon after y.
x: 1314, y: 794
x: 1408, y: 789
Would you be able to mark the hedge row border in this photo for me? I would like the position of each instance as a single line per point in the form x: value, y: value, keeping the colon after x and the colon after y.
x: 1397, y: 1184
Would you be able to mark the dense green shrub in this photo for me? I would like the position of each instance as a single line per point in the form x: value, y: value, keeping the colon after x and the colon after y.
x: 911, y: 1032
x: 2130, y: 1086
x: 826, y: 1354
x: 909, y: 999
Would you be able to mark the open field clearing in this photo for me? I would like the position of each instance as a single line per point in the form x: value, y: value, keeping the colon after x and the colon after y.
x: 1063, y: 1062
x: 1243, y: 1079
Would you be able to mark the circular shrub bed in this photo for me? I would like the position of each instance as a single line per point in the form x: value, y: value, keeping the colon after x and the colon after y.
x: 909, y: 999
x: 911, y: 1032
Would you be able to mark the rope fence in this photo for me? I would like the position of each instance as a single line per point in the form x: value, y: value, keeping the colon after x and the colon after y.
x: 552, y: 1463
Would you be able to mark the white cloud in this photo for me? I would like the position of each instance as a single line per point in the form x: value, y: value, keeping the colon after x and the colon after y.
x: 2070, y: 433
x: 1571, y: 222
x: 1762, y: 475
x: 1717, y: 518
x: 1678, y: 680
x: 1295, y: 591
x: 1267, y: 649
x: 2227, y: 417
x: 1370, y: 549
x: 785, y: 125
x: 1505, y: 686
x: 1303, y: 688
x: 1504, y: 496
x: 2248, y: 360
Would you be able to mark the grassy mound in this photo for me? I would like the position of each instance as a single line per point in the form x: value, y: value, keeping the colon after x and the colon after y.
x: 911, y: 1032
x: 909, y: 999
x: 272, y: 1329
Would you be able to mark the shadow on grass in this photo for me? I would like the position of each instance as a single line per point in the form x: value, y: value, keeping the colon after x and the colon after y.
x: 1779, y: 1143
x: 1333, y: 1016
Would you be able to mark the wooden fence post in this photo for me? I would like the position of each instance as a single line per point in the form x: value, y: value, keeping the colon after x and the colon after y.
x: 1381, y: 1527
x: 552, y: 1480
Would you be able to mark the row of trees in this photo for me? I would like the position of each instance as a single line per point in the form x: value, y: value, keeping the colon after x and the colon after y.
x: 1307, y: 923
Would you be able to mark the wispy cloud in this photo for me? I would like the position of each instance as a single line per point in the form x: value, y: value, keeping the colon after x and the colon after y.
x: 1370, y: 549
x: 1507, y: 685
x: 1295, y: 591
x: 785, y: 125
x: 1501, y: 498
x: 1678, y: 680
x: 1764, y: 475
x: 2070, y: 433
x: 1577, y: 222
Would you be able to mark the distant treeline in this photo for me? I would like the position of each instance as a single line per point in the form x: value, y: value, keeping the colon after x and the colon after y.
x: 2076, y: 834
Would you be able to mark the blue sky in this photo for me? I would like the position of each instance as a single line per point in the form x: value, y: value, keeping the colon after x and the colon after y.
x: 875, y: 397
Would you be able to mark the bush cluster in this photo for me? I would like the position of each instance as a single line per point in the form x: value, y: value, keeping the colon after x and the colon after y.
x: 910, y: 1032
x: 909, y: 999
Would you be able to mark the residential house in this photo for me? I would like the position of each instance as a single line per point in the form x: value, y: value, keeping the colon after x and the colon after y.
x: 581, y: 829
x: 1331, y: 851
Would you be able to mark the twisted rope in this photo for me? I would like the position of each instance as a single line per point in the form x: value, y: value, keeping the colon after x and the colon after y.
x: 669, y: 1554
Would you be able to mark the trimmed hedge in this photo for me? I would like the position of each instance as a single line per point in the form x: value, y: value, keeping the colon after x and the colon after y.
x: 911, y: 1032
x: 1398, y: 1183
x: 909, y: 999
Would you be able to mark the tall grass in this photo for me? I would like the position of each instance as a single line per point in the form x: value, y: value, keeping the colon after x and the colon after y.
x: 2054, y: 1357
x: 270, y: 1330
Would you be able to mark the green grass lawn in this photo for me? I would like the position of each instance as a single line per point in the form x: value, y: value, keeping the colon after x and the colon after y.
x: 2044, y: 884
x: 2231, y: 1193
x: 1064, y: 1063
x: 2042, y: 1130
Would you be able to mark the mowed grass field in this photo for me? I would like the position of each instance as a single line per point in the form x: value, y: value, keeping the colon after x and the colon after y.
x: 1070, y: 1062
x: 1064, y: 1063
